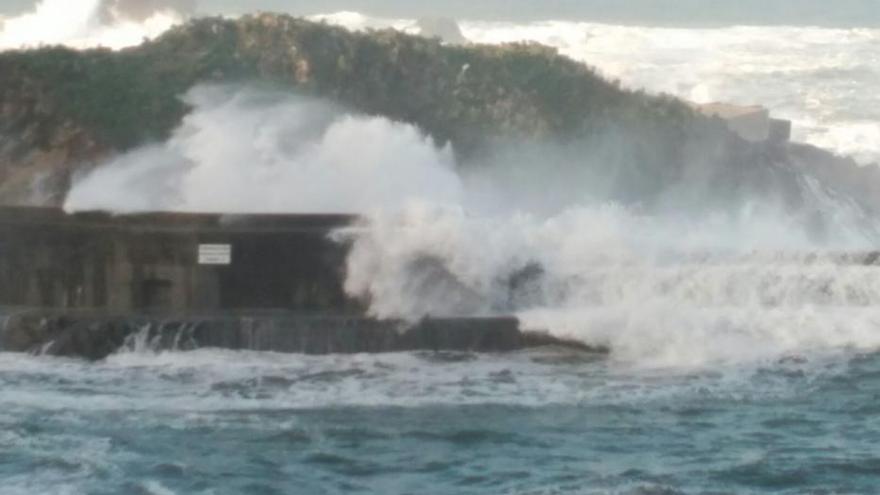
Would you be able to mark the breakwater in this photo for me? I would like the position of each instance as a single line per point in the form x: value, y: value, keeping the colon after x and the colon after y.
x: 88, y: 285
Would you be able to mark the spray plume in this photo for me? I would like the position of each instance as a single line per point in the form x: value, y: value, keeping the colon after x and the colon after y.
x: 245, y: 150
x: 536, y: 238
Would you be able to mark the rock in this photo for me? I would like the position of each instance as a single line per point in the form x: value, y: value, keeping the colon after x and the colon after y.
x: 441, y: 27
x: 71, y: 108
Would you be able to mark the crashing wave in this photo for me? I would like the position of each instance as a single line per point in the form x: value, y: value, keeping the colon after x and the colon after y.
x: 113, y: 24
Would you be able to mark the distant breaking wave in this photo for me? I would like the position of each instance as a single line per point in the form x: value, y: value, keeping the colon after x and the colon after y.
x: 90, y: 23
x: 820, y: 78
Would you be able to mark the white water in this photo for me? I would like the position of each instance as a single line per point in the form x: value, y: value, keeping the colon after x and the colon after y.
x: 605, y: 281
x: 355, y: 21
x: 671, y: 289
x: 441, y: 243
x: 90, y: 23
x: 247, y: 150
x: 820, y: 78
x: 147, y: 423
x: 635, y: 284
x: 193, y: 386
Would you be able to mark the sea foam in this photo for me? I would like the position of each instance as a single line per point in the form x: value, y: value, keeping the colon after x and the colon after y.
x: 440, y: 239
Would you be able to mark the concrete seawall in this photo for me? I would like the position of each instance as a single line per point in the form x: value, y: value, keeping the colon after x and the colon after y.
x: 167, y: 281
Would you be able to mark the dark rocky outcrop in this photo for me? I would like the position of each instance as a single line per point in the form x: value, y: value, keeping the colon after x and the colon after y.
x: 444, y: 29
x: 65, y: 110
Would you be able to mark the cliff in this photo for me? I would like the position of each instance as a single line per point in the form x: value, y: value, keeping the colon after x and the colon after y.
x: 63, y: 110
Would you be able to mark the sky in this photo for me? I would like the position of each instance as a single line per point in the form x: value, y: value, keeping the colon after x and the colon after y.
x: 702, y: 12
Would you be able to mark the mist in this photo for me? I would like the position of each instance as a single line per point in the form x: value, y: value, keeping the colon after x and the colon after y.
x: 265, y: 151
x: 540, y: 230
x: 558, y: 246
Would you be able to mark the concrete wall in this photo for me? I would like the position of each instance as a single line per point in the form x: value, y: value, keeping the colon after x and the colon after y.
x: 90, y: 285
x: 151, y: 262
x: 95, y: 337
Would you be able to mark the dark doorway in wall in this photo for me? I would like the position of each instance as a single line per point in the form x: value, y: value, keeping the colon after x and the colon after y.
x: 281, y: 270
x: 156, y: 294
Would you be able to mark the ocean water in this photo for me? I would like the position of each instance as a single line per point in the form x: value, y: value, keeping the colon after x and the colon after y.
x: 728, y: 375
x: 744, y: 352
x: 537, y: 422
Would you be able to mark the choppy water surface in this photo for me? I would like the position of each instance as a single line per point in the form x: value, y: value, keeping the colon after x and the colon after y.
x: 729, y: 374
x: 529, y: 423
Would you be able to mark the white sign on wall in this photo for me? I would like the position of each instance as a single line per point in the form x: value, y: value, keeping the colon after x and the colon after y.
x: 215, y: 254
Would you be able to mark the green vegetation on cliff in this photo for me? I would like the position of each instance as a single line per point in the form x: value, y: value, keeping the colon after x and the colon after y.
x: 458, y: 94
x: 469, y: 96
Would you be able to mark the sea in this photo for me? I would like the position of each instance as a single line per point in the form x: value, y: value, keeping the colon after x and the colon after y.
x: 745, y: 358
x: 536, y: 422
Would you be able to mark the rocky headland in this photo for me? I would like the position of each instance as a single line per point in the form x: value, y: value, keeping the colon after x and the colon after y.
x: 63, y: 111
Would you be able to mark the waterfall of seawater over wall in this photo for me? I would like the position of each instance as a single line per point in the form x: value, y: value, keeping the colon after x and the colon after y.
x: 529, y: 232
x: 97, y: 337
x: 154, y: 337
